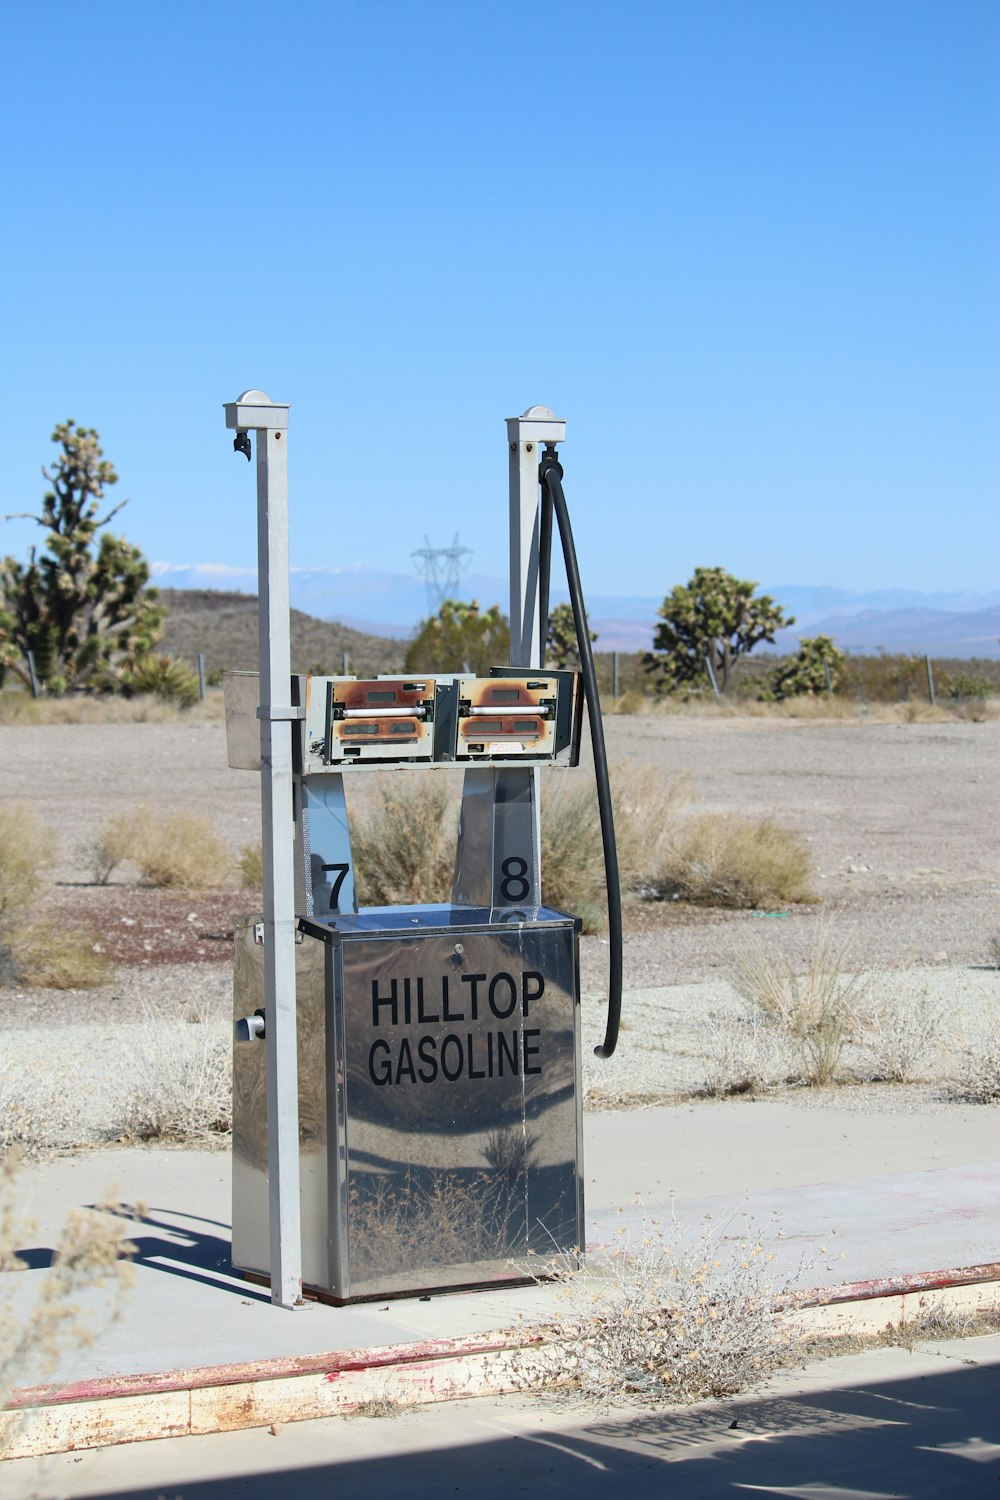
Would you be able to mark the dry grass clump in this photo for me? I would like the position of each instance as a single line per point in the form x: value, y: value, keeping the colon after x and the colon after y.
x: 90, y: 1258
x: 179, y: 1078
x: 745, y: 1055
x: 17, y: 707
x: 649, y: 807
x: 898, y: 1030
x: 38, y: 1112
x: 572, y: 851
x: 665, y: 1315
x: 49, y: 955
x: 726, y: 859
x: 178, y: 849
x: 111, y: 846
x: 974, y: 1069
x: 404, y: 842
x: 378, y: 1407
x: 25, y: 850
x: 250, y: 865
x: 33, y: 950
x: 817, y: 1011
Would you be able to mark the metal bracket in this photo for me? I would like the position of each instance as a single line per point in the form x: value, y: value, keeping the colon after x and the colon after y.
x: 279, y: 715
x: 258, y: 934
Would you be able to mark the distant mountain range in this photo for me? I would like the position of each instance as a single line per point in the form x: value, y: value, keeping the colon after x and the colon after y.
x: 959, y: 624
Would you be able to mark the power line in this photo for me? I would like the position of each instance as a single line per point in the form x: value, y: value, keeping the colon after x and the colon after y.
x: 441, y: 569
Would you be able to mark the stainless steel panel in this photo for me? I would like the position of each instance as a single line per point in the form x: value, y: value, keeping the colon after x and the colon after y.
x: 439, y: 1100
x: 250, y: 1197
x: 498, y: 859
x: 241, y: 699
x: 462, y: 1105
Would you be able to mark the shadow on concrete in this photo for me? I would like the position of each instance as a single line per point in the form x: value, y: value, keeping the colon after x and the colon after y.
x: 186, y: 1246
x: 923, y: 1438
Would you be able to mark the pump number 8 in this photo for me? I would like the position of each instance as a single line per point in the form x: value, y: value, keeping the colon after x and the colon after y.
x: 514, y: 886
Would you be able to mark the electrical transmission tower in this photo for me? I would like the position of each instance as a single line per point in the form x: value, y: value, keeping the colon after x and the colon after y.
x: 441, y: 567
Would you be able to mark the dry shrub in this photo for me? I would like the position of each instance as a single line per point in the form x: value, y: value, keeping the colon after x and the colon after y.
x: 179, y: 1078
x: 898, y: 1029
x: 250, y: 864
x: 726, y: 859
x: 110, y: 847
x: 19, y: 708
x: 25, y: 849
x: 49, y: 955
x: 977, y: 710
x: 974, y: 1068
x: 404, y: 842
x: 649, y: 808
x: 572, y: 851
x: 39, y: 1113
x: 817, y: 1010
x: 90, y: 1259
x: 665, y: 1314
x: 38, y: 951
x: 632, y: 701
x: 377, y: 1406
x: 177, y: 849
x: 744, y: 1054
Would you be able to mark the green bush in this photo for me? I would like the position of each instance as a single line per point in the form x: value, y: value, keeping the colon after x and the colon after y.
x: 164, y: 676
x: 817, y: 668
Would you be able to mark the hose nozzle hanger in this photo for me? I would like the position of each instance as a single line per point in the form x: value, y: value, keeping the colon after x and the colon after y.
x: 549, y: 462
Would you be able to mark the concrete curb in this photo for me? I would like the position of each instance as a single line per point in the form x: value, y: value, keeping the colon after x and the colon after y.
x: 220, y: 1398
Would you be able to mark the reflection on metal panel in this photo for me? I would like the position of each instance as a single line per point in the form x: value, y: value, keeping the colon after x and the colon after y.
x: 450, y: 1146
x: 251, y: 1250
x: 241, y: 698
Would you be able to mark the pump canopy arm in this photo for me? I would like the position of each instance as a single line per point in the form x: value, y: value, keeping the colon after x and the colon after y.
x: 550, y: 474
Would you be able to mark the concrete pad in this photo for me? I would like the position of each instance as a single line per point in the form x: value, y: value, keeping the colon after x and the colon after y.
x: 853, y: 1196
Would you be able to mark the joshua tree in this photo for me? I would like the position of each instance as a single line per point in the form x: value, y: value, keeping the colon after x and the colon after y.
x: 713, y: 617
x: 561, y: 646
x: 81, y: 607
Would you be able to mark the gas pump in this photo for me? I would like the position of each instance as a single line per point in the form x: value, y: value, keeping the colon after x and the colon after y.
x: 406, y: 1080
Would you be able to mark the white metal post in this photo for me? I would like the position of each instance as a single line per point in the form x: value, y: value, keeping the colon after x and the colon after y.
x: 500, y: 807
x: 255, y: 412
x: 526, y: 436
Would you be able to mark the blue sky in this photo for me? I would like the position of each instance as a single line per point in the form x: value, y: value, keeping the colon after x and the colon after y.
x: 748, y: 248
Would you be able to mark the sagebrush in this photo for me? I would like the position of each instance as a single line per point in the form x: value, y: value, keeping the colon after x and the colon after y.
x: 403, y: 842
x: 665, y: 1314
x: 37, y: 950
x: 174, y: 849
x: 726, y: 859
x: 179, y: 1078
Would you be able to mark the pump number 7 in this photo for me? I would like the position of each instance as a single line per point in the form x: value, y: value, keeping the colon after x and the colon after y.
x: 338, y: 881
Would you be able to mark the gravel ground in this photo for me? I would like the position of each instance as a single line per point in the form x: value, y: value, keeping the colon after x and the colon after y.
x: 901, y: 819
x: 74, y: 1081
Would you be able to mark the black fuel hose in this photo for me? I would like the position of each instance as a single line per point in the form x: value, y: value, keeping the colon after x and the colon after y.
x: 550, y: 475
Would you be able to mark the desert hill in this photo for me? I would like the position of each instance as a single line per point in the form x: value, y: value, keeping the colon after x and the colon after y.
x: 224, y: 626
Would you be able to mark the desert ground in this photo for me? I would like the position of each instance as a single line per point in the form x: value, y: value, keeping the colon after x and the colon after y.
x: 902, y: 821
